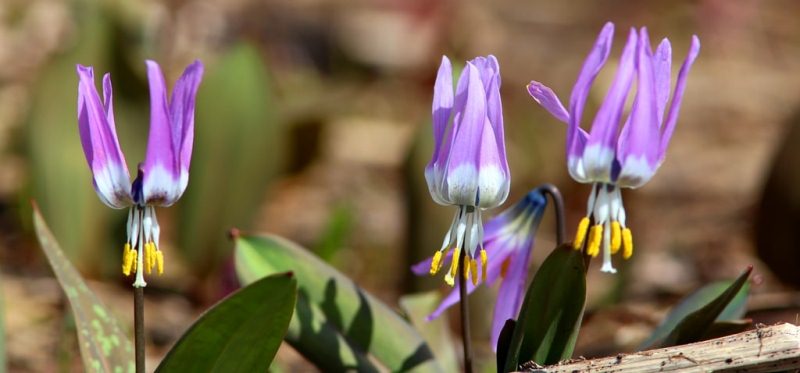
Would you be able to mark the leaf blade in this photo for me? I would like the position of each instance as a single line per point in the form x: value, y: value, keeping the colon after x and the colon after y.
x: 346, y: 307
x: 550, y: 317
x: 103, y: 344
x: 235, y: 335
x: 696, y: 324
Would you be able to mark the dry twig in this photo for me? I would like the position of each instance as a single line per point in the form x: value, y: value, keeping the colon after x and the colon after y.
x: 765, y: 349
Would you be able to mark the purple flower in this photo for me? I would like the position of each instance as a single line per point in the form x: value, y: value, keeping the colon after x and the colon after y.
x: 163, y: 175
x: 468, y: 168
x: 508, y: 242
x: 611, y: 158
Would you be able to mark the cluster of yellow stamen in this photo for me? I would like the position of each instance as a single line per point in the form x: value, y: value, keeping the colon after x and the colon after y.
x: 128, y: 260
x: 620, y: 238
x: 153, y: 258
x: 470, y: 270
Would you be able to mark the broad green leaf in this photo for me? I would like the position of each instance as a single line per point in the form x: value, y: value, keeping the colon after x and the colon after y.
x: 322, y: 343
x: 104, y: 346
x: 364, y: 323
x: 724, y: 328
x: 237, y: 151
x: 551, y: 313
x: 693, y: 302
x: 435, y: 332
x: 241, y: 333
x: 694, y: 325
x: 504, y: 343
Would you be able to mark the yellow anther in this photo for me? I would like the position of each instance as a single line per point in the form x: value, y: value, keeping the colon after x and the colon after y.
x: 454, y: 262
x: 484, y: 260
x: 148, y: 258
x: 134, y: 259
x: 616, y: 237
x: 127, y: 260
x: 160, y: 262
x: 595, y: 239
x: 448, y: 278
x: 580, y: 235
x: 151, y: 256
x: 627, y: 243
x: 474, y: 267
x: 436, y: 262
x: 467, y: 265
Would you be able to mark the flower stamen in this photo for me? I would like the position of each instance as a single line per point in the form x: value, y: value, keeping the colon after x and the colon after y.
x: 580, y: 235
x: 616, y: 237
x: 484, y: 261
x: 436, y: 262
x: 595, y: 239
x: 627, y: 243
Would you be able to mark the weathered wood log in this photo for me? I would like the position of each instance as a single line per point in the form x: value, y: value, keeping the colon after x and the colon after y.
x: 765, y: 349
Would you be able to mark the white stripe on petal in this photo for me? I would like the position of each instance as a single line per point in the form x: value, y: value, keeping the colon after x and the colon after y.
x: 113, y: 185
x: 493, y: 187
x: 462, y: 185
x: 159, y: 187
x: 636, y: 171
x: 576, y: 169
x: 597, y: 160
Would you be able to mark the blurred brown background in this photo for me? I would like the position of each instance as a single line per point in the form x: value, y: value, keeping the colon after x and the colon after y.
x: 313, y: 122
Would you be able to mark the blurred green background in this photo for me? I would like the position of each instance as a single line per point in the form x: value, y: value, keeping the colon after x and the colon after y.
x: 313, y: 122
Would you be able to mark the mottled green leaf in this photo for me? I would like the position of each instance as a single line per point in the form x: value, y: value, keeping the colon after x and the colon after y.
x: 691, y: 326
x: 435, y: 332
x: 237, y: 152
x: 104, y: 346
x: 363, y: 324
x: 241, y: 333
x: 551, y: 313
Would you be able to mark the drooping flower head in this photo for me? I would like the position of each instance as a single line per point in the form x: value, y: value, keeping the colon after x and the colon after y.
x: 468, y: 168
x: 508, y: 242
x: 163, y: 175
x: 610, y: 157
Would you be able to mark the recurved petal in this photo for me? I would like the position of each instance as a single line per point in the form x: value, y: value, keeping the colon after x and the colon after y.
x: 680, y: 87
x: 637, y: 150
x: 662, y: 61
x: 591, y: 67
x: 160, y: 171
x: 99, y: 141
x: 181, y: 109
x: 545, y: 97
x: 598, y: 156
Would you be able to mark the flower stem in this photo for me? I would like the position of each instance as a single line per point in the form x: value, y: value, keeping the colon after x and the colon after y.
x: 558, y: 201
x: 464, y: 305
x: 138, y: 327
